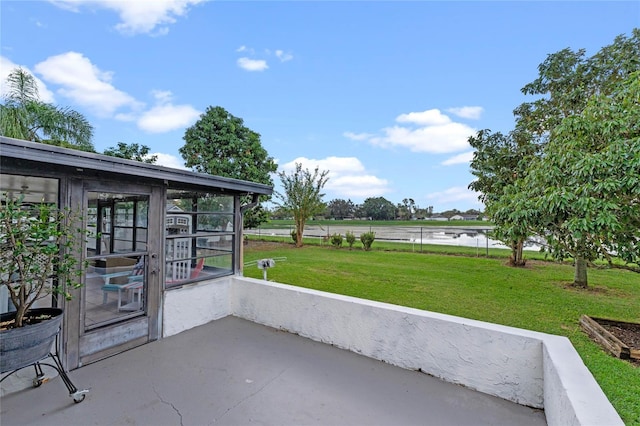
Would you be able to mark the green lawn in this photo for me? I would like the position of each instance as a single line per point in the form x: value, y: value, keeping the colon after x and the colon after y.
x: 535, y: 297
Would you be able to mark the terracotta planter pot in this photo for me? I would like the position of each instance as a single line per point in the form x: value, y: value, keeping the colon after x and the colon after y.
x: 23, y: 346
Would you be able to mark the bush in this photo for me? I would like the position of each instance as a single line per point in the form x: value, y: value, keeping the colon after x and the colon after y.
x: 294, y: 235
x: 367, y: 239
x: 351, y: 239
x: 336, y: 240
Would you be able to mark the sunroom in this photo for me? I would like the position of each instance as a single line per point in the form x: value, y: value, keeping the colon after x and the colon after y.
x: 151, y: 230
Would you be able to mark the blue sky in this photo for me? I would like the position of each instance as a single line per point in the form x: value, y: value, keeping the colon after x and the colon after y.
x: 382, y: 94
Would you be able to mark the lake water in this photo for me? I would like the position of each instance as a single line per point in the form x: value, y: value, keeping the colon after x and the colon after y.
x: 451, y: 236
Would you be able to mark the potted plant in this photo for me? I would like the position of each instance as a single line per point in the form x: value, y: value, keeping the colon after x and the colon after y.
x: 37, y: 259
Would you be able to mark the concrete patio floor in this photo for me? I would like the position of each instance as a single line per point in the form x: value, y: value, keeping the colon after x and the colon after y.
x: 235, y: 372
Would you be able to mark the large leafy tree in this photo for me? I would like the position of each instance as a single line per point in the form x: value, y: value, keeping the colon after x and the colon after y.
x: 377, y: 208
x: 24, y: 116
x: 132, y: 151
x: 499, y: 161
x: 220, y: 144
x: 567, y: 80
x: 302, y: 195
x: 572, y: 190
x: 339, y: 208
x: 585, y: 190
x: 567, y: 196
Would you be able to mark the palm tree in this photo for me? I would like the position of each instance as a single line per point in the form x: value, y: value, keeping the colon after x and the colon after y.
x: 25, y: 116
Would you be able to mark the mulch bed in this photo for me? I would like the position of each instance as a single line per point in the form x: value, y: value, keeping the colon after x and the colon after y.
x: 620, y: 338
x: 629, y: 334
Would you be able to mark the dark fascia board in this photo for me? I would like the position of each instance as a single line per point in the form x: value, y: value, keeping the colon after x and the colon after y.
x: 80, y: 160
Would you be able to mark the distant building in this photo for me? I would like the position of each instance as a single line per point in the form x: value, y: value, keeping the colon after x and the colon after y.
x: 463, y: 217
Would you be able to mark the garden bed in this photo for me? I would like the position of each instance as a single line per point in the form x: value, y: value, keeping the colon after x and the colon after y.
x: 620, y: 338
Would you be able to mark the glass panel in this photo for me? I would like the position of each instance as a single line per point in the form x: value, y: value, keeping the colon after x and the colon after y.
x: 92, y: 230
x: 34, y: 190
x: 215, y: 222
x: 220, y: 243
x: 114, y: 289
x: 199, y: 236
x: 111, y: 223
x: 115, y: 285
x: 201, y: 268
x: 142, y: 213
x: 215, y: 203
x: 141, y: 239
x: 104, y: 234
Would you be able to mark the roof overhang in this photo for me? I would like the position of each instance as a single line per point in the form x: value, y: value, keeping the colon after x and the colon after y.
x: 79, y: 161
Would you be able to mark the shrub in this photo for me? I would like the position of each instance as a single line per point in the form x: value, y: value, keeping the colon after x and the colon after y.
x: 336, y: 240
x: 367, y: 239
x: 351, y: 239
x: 294, y: 234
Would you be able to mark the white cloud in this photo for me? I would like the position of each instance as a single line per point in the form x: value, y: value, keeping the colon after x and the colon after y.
x: 84, y: 83
x: 252, y: 64
x: 442, y: 139
x: 284, y: 57
x: 165, y: 116
x: 357, y: 136
x: 355, y: 186
x: 348, y: 177
x: 169, y: 160
x: 430, y: 117
x: 137, y: 17
x: 6, y: 66
x: 471, y: 112
x: 432, y: 132
x: 454, y: 195
x: 463, y: 158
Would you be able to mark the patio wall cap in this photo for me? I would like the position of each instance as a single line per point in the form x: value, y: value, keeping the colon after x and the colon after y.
x: 413, y: 311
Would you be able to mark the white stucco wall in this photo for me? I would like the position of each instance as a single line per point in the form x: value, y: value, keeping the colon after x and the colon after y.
x: 530, y: 368
x: 481, y: 356
x: 572, y: 395
x: 194, y: 305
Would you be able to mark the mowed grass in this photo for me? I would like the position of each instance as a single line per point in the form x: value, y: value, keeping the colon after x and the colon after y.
x: 536, y: 297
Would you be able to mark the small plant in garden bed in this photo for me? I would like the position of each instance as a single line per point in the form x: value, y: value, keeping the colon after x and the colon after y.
x: 351, y: 239
x: 336, y: 240
x: 367, y: 239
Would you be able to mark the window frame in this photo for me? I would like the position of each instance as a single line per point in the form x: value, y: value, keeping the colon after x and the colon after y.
x: 185, y: 233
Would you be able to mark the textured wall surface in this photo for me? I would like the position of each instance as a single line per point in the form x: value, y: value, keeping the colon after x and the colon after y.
x: 194, y: 305
x: 523, y: 366
x: 489, y: 358
x: 572, y: 395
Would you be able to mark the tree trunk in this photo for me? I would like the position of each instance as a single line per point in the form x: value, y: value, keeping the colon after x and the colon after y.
x: 22, y: 309
x: 580, y: 275
x: 517, y: 258
x: 299, y: 232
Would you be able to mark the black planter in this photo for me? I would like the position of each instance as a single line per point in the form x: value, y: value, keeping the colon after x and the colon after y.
x: 23, y: 346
